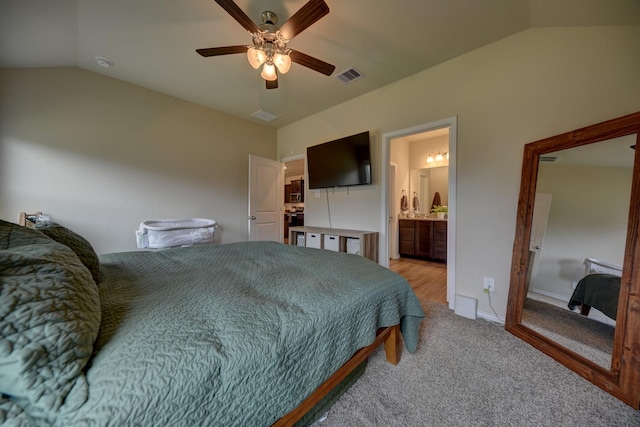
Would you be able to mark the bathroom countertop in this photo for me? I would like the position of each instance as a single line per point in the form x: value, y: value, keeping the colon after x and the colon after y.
x: 424, y: 219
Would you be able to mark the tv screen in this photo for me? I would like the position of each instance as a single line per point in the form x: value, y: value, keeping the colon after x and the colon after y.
x: 341, y: 163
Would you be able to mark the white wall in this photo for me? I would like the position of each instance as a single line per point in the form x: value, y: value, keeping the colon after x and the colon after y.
x: 532, y: 85
x: 420, y: 150
x: 100, y: 156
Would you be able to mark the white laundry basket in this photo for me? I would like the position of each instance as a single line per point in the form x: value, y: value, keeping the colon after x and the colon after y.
x: 167, y: 233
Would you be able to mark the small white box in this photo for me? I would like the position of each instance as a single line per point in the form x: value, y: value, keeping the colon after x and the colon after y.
x: 465, y: 306
x: 331, y: 242
x: 353, y: 246
x: 313, y: 240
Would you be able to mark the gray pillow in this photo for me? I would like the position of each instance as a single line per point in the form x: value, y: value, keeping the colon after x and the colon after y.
x: 49, y: 320
x: 76, y: 242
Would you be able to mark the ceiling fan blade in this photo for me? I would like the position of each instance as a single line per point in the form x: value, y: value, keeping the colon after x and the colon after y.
x: 237, y: 14
x: 272, y: 84
x: 311, y: 62
x: 226, y: 50
x: 304, y: 18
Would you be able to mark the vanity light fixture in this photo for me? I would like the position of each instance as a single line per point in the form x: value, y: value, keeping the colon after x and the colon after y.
x: 439, y: 157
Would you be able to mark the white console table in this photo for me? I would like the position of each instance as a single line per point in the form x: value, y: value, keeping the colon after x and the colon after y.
x: 363, y: 243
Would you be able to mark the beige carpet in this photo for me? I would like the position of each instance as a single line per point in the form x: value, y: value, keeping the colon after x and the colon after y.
x: 473, y: 373
x: 586, y: 336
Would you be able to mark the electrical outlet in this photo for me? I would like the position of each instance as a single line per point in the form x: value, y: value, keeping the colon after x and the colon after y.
x: 488, y: 285
x: 317, y: 193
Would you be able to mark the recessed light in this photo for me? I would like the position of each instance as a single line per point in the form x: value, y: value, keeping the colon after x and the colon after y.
x: 103, y: 62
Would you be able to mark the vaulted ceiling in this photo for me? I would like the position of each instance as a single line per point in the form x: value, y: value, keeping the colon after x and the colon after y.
x: 152, y: 43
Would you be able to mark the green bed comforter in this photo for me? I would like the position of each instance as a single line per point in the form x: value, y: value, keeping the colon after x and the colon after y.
x: 235, y: 334
x: 600, y: 291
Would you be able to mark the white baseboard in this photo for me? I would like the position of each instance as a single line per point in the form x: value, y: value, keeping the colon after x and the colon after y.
x: 549, y: 294
x: 491, y: 317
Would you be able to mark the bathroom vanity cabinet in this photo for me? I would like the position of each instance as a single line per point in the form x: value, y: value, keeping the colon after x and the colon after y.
x: 423, y: 238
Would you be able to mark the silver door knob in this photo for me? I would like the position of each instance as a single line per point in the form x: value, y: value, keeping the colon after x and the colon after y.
x: 252, y: 218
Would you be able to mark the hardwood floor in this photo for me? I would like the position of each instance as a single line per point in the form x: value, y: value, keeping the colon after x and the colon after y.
x: 428, y: 279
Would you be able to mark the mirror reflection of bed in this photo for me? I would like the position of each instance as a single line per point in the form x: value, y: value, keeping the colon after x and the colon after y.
x: 577, y: 246
x: 589, y: 332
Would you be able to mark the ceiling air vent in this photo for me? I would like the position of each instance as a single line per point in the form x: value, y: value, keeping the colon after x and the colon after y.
x: 349, y: 75
x: 265, y: 115
x: 548, y: 159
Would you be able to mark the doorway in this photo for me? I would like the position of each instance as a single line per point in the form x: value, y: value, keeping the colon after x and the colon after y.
x: 265, y: 201
x: 294, y: 193
x: 449, y: 124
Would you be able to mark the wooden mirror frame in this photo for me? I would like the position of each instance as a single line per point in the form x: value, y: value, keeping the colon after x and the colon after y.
x: 623, y: 379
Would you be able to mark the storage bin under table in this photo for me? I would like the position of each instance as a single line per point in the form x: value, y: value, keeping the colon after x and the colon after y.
x: 313, y: 240
x: 331, y: 242
x: 357, y: 242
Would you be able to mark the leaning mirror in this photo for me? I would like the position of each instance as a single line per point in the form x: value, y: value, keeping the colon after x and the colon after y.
x: 576, y: 249
x: 574, y: 287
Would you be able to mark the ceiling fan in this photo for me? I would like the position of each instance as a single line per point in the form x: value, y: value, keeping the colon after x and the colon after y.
x: 269, y: 48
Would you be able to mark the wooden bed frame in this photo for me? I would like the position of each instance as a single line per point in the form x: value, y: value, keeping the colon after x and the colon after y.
x: 390, y: 336
x: 28, y: 220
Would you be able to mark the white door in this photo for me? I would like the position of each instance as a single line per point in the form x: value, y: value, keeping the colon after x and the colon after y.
x: 266, y: 199
x: 541, y: 208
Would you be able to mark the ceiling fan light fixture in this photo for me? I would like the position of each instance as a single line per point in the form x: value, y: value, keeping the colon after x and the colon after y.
x: 282, y: 61
x: 269, y: 49
x: 269, y: 72
x: 256, y: 57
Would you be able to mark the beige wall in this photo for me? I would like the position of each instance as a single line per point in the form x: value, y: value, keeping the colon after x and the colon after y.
x: 100, y: 156
x: 532, y: 85
x: 588, y: 219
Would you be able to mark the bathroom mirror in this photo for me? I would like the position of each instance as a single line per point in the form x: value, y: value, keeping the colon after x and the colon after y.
x: 424, y: 183
x: 578, y: 218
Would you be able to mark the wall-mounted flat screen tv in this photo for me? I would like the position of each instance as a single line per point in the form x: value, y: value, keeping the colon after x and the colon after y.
x: 344, y: 162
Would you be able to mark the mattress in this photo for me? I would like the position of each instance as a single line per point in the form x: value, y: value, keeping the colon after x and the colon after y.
x: 235, y: 334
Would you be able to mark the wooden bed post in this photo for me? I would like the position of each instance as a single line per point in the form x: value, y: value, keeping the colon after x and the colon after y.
x: 24, y: 219
x: 392, y: 345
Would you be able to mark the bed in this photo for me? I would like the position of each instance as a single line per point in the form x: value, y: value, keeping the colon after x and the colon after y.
x: 599, y: 288
x: 252, y: 333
